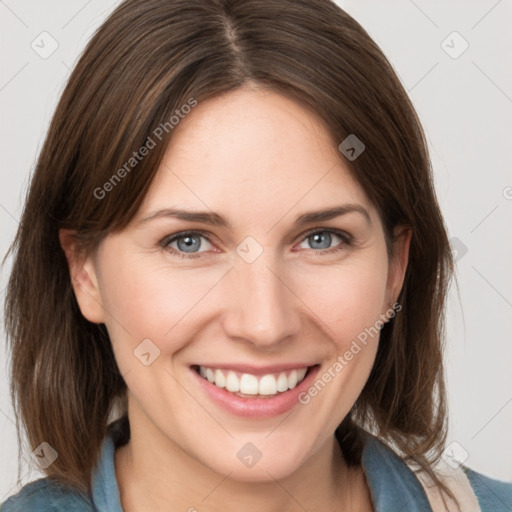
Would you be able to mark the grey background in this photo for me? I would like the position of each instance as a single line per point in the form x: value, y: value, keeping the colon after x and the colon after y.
x: 466, y: 109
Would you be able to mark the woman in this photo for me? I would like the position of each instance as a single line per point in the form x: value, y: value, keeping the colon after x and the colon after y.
x: 179, y: 340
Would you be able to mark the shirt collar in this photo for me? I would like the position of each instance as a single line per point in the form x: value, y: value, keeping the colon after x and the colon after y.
x: 105, y: 491
x: 393, y: 485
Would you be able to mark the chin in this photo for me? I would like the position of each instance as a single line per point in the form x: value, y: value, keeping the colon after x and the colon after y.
x: 259, y: 460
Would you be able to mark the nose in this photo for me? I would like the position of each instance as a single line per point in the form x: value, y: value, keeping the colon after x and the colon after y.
x: 262, y: 308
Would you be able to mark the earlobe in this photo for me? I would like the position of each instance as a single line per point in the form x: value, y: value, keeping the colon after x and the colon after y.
x: 83, y: 278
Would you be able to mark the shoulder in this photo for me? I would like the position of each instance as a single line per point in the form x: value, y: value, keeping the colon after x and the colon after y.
x: 492, y: 494
x: 392, y: 484
x: 48, y: 495
x: 391, y: 480
x: 44, y: 495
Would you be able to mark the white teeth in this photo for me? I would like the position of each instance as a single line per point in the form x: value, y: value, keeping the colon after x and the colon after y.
x: 232, y: 383
x: 282, y: 382
x: 220, y: 380
x: 300, y: 374
x: 268, y: 385
x: 248, y: 384
x: 292, y: 379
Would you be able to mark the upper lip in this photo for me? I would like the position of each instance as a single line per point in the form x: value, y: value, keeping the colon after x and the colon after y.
x: 256, y: 370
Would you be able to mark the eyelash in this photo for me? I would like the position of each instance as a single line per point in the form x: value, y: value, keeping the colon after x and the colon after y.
x: 347, y: 241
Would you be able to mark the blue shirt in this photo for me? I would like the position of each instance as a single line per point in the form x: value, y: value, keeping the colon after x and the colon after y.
x: 393, y: 486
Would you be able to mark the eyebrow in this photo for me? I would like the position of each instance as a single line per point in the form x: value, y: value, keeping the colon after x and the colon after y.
x: 215, y: 219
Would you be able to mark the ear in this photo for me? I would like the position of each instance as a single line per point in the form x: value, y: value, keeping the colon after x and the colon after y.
x: 398, y: 262
x: 83, y: 278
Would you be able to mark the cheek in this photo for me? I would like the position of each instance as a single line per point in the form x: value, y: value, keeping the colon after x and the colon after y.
x: 148, y: 300
x: 346, y: 298
x: 347, y: 302
x: 157, y: 300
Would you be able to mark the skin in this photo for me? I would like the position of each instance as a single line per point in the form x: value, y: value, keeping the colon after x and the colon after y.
x: 260, y: 159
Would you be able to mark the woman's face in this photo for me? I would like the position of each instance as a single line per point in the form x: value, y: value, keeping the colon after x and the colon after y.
x: 267, y: 295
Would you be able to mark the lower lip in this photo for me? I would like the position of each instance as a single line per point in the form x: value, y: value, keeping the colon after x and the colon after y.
x: 257, y: 407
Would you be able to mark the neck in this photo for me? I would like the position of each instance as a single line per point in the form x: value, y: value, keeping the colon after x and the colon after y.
x: 154, y: 473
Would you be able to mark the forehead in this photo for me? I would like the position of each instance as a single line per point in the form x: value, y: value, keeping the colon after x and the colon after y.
x: 255, y: 151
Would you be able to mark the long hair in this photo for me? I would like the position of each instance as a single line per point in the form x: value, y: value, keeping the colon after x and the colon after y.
x: 147, y: 61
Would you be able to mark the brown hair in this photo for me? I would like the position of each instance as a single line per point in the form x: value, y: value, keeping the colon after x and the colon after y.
x: 147, y: 60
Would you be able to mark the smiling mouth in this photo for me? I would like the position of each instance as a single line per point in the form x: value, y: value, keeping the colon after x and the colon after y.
x: 247, y: 385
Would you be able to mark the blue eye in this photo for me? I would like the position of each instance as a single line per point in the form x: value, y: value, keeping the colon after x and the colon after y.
x: 188, y: 242
x: 323, y: 239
